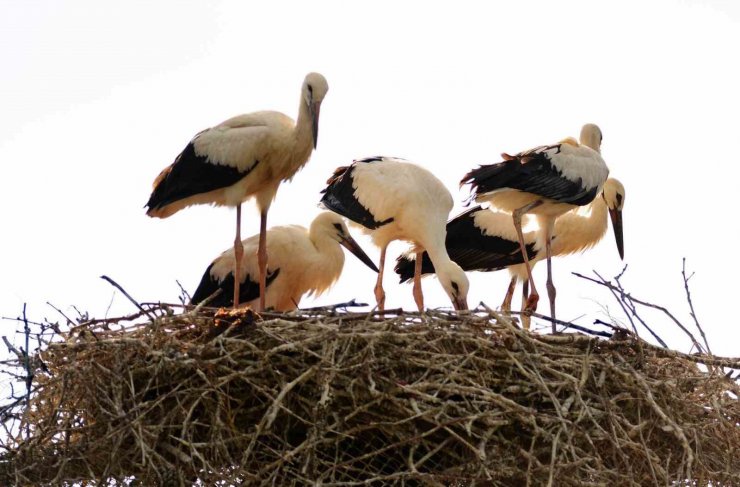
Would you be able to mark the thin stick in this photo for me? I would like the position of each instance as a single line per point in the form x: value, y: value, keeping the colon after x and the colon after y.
x: 692, y: 313
x: 117, y: 286
x: 568, y: 324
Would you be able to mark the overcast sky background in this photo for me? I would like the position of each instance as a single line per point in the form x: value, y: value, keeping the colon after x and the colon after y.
x: 97, y: 97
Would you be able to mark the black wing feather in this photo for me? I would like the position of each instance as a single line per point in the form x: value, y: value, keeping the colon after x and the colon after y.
x: 192, y: 174
x: 532, y: 172
x: 470, y: 249
x: 248, y: 289
x: 339, y: 197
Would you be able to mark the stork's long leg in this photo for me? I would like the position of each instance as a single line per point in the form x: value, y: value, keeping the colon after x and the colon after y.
x: 238, y: 254
x: 517, y: 215
x: 526, y: 319
x: 379, y: 293
x: 262, y: 258
x: 418, y: 296
x: 506, y: 305
x: 550, y: 285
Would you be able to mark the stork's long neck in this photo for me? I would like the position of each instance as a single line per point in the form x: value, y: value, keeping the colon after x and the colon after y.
x: 327, y: 263
x: 578, y: 231
x: 303, y: 132
x: 438, y: 252
x: 591, y: 140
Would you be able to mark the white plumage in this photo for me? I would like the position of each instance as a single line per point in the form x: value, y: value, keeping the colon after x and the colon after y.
x: 302, y: 262
x: 245, y: 156
x: 394, y: 199
x: 546, y: 182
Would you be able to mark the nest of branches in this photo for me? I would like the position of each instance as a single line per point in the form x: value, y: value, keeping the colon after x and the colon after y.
x: 336, y: 398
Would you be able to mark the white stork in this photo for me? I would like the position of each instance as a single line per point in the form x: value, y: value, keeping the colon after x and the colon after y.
x: 301, y: 261
x: 394, y: 199
x: 546, y: 182
x: 245, y: 156
x: 484, y: 240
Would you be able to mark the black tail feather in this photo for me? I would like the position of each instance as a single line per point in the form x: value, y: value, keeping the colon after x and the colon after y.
x: 248, y: 289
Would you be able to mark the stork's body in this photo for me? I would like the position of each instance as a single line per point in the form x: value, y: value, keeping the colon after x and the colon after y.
x: 485, y: 240
x: 393, y: 199
x: 246, y: 156
x: 545, y: 182
x: 301, y: 261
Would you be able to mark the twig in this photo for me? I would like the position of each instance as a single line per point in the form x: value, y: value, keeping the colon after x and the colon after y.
x: 333, y: 307
x: 184, y: 295
x: 568, y: 324
x: 27, y: 366
x: 692, y: 313
x: 117, y: 286
x: 627, y: 296
x: 54, y: 326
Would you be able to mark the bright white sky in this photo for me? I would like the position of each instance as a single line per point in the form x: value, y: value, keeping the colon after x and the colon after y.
x: 97, y: 97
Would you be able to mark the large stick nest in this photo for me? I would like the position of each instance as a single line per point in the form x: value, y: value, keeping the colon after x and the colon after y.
x: 361, y: 399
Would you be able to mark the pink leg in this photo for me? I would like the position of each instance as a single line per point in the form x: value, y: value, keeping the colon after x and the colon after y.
x: 262, y: 259
x: 238, y: 254
x: 517, y: 215
x: 379, y: 293
x: 526, y: 319
x: 506, y: 305
x: 418, y: 296
x: 550, y: 285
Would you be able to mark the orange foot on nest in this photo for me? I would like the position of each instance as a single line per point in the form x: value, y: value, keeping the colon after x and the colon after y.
x: 232, y: 320
x: 531, y: 304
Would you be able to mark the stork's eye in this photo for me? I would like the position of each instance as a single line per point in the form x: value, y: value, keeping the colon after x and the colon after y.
x: 455, y: 287
x: 310, y: 89
x: 338, y: 226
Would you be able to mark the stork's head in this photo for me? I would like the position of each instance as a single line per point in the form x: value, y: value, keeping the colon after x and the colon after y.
x: 613, y: 194
x: 455, y: 283
x: 313, y: 92
x: 330, y: 225
x: 591, y: 136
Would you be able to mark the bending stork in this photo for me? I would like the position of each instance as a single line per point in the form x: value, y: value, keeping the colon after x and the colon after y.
x: 394, y: 199
x: 301, y: 261
x: 484, y: 240
x: 243, y: 157
x: 546, y: 182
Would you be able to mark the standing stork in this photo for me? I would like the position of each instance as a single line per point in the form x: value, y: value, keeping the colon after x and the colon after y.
x: 394, y: 199
x: 245, y: 156
x: 547, y: 182
x: 484, y: 240
x: 301, y: 261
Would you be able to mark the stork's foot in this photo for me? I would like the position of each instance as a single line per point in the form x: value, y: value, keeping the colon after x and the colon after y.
x: 531, y: 305
x: 526, y: 321
x: 380, y: 299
